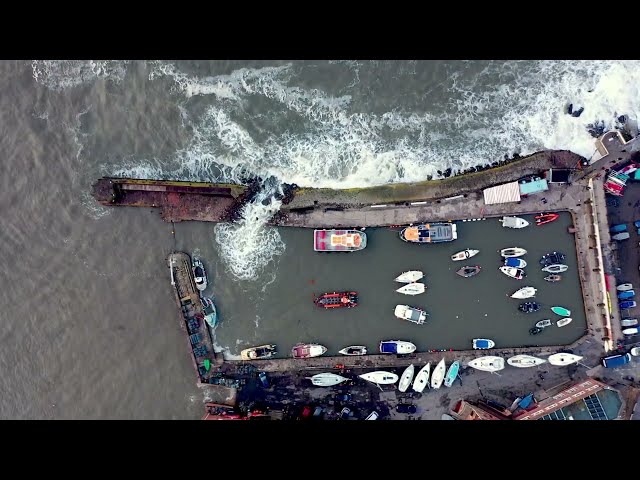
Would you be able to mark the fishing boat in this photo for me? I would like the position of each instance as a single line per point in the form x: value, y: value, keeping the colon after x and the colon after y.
x: 411, y: 314
x: 468, y: 271
x: 553, y: 278
x: 627, y: 294
x: 529, y: 307
x: 552, y: 258
x: 405, y: 378
x: 514, y: 222
x: 627, y: 304
x: 412, y: 288
x: 354, y: 350
x: 437, y: 376
x: 564, y: 321
x: 524, y: 292
x: 307, y: 350
x: 199, y: 274
x: 512, y: 272
x: 399, y: 347
x: 630, y: 331
x: 337, y: 300
x: 487, y: 364
x: 327, y: 379
x: 635, y: 351
x: 563, y: 358
x: 513, y: 252
x: 422, y: 378
x: 624, y: 287
x: 430, y: 233
x: 514, y: 262
x: 464, y: 254
x: 380, y: 377
x: 544, y: 323
x: 525, y: 361
x: 535, y: 330
x: 329, y: 240
x: 555, y: 268
x: 629, y: 322
x: 209, y: 310
x: 409, y: 277
x: 545, y: 218
x: 258, y: 353
x: 620, y: 236
x: 483, y: 343
x: 561, y: 311
x: 452, y: 374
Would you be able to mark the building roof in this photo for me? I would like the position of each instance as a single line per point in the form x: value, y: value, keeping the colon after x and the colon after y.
x: 508, y: 192
x: 534, y: 187
x: 466, y: 411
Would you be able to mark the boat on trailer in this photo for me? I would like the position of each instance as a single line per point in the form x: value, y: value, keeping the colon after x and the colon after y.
x: 464, y: 254
x: 545, y: 218
x: 330, y: 240
x: 412, y: 288
x: 405, y: 379
x: 409, y: 277
x: 327, y: 379
x: 422, y: 378
x: 337, y: 300
x: 354, y: 350
x: 514, y: 222
x: 525, y: 361
x: 513, y: 252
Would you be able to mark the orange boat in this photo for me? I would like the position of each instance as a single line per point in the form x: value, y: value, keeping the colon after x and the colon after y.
x: 546, y: 218
x: 337, y: 300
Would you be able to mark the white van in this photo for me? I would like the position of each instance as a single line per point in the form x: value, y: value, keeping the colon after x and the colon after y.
x: 372, y: 416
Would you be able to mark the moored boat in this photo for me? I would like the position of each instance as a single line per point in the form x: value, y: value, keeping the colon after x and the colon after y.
x: 624, y: 287
x: 629, y: 322
x: 563, y: 358
x: 552, y: 258
x: 412, y: 288
x: 514, y: 222
x: 354, y: 350
x: 469, y: 271
x: 525, y: 361
x: 553, y: 278
x: 452, y: 374
x: 514, y: 262
x: 483, y: 343
x: 627, y: 294
x: 337, y: 300
x: 535, y: 330
x: 405, y: 378
x: 513, y: 252
x: 524, y: 292
x: 422, y: 378
x: 564, y: 321
x: 543, y: 323
x: 327, y: 379
x: 210, y: 312
x: 258, y: 353
x: 380, y: 377
x: 487, y: 364
x: 555, y: 268
x: 307, y: 350
x: 545, y: 218
x: 411, y: 314
x: 627, y: 304
x: 529, y: 307
x: 437, y: 376
x: 330, y: 240
x: 561, y: 311
x: 464, y: 254
x: 398, y: 347
x: 635, y: 351
x: 409, y: 277
x: 512, y: 272
x: 199, y: 274
x: 430, y: 233
x: 630, y: 331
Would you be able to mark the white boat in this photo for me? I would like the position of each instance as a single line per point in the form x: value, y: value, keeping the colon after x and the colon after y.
x: 555, y: 268
x: 629, y: 322
x: 412, y: 288
x: 380, y: 377
x: 327, y: 379
x: 514, y: 222
x: 199, y: 274
x: 621, y: 236
x: 437, y: 377
x: 635, y: 351
x: 325, y: 240
x: 354, y: 350
x: 422, y: 378
x: 411, y: 314
x: 546, y: 323
x: 564, y: 321
x: 464, y: 254
x: 405, y: 379
x: 624, y: 287
x: 483, y: 343
x: 398, y: 347
x: 630, y: 331
x: 524, y: 361
x: 409, y: 277
x: 560, y: 359
x: 446, y: 416
x: 524, y: 292
x: 513, y: 272
x: 513, y: 252
x: 487, y: 364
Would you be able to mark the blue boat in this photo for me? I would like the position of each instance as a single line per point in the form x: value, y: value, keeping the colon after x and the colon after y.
x: 627, y: 304
x: 452, y: 374
x: 626, y: 295
x: 637, y: 223
x: 514, y: 262
x: 618, y: 228
x: 483, y: 343
x: 399, y: 347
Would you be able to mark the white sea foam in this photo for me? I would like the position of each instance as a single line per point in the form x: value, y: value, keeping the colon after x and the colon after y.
x: 61, y: 74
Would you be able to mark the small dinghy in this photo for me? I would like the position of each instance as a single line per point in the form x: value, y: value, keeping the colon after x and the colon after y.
x: 513, y: 252
x: 199, y: 274
x: 483, y: 343
x: 409, y: 277
x: 627, y: 294
x: 327, y: 379
x: 405, y: 379
x: 545, y: 218
x: 564, y: 321
x: 512, y: 272
x: 524, y: 292
x: 551, y: 258
x: 555, y: 268
x: 553, y: 278
x: 525, y: 361
x: 514, y: 262
x: 380, y: 377
x: 412, y: 289
x: 487, y: 364
x: 422, y: 378
x: 514, y: 222
x: 468, y: 271
x: 561, y: 311
x: 437, y: 377
x: 630, y: 331
x: 535, y: 330
x: 561, y: 359
x: 624, y: 287
x: 629, y: 322
x: 546, y: 323
x: 464, y: 254
x: 411, y: 314
x: 452, y: 374
x: 529, y: 307
x: 354, y: 350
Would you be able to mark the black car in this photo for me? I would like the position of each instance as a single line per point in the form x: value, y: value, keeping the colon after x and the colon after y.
x: 406, y: 408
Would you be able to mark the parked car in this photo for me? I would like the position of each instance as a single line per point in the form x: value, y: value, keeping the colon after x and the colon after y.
x: 406, y: 408
x: 263, y: 379
x: 614, y: 361
x: 345, y: 413
x: 318, y: 411
x: 372, y: 416
x: 342, y: 397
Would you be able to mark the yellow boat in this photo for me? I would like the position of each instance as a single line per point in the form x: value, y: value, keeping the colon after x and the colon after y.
x: 258, y: 353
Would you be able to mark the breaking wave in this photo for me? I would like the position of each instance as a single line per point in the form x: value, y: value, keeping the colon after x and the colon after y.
x: 61, y: 74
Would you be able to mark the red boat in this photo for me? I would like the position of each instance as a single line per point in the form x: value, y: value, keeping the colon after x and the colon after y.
x: 546, y: 218
x: 337, y: 300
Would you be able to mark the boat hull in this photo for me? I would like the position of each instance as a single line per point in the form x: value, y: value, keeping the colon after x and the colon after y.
x: 325, y: 240
x: 561, y: 359
x: 452, y: 374
x: 487, y: 364
x: 512, y: 272
x: 624, y: 287
x: 464, y: 254
x: 525, y: 361
x: 555, y: 268
x: 354, y: 350
x: 513, y: 252
x: 327, y: 379
x: 437, y: 377
x: 422, y: 378
x: 469, y: 271
x: 561, y: 311
x: 629, y: 322
x: 337, y: 300
x: 524, y: 292
x: 483, y: 343
x: 409, y: 277
x: 258, y: 353
x: 430, y: 233
x: 553, y: 278
x: 412, y: 289
x: 564, y: 321
x: 307, y: 350
x: 545, y: 218
x: 397, y: 347
x: 411, y: 314
x: 405, y: 379
x: 380, y: 377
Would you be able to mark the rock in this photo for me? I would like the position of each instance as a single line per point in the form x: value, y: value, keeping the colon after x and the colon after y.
x: 570, y: 109
x: 578, y: 112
